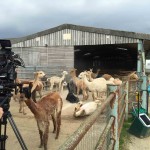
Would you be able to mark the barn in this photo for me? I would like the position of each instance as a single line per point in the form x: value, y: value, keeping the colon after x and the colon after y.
x: 73, y: 46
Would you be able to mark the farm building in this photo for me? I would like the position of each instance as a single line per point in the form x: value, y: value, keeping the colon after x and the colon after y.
x: 72, y: 46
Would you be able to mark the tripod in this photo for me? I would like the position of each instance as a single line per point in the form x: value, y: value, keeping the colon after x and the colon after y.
x: 3, y: 125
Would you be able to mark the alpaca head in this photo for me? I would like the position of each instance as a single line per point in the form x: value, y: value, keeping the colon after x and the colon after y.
x: 64, y: 83
x: 134, y: 77
x: 39, y: 74
x: 117, y: 81
x: 64, y: 73
x: 83, y: 74
x: 78, y: 106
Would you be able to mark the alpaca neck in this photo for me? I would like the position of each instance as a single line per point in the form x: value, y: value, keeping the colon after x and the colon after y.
x: 90, y: 78
x: 63, y: 77
x: 88, y: 84
x: 36, y: 78
x: 32, y: 106
x: 74, y: 78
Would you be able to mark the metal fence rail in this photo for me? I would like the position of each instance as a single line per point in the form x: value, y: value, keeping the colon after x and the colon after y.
x: 105, y: 134
x: 76, y: 140
x: 95, y: 135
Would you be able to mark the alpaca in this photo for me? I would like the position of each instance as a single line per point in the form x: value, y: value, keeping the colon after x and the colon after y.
x: 85, y: 109
x: 96, y: 86
x: 79, y: 84
x: 133, y: 76
x: 106, y: 76
x: 94, y: 75
x: 57, y: 80
x: 17, y: 97
x: 37, y: 85
x: 50, y: 104
x: 117, y: 81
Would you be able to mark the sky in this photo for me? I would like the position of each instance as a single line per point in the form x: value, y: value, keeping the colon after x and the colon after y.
x: 20, y: 18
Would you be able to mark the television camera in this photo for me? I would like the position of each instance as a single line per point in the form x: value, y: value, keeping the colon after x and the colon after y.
x: 9, y: 61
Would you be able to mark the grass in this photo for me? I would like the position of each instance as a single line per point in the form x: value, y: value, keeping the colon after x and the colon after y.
x: 125, y: 135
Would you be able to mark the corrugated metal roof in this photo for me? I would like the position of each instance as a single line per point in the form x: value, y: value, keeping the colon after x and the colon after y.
x: 84, y: 29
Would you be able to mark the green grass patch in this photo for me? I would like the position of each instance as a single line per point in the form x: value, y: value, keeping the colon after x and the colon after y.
x: 125, y: 135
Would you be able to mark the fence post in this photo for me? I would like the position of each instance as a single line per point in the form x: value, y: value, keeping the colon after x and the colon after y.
x: 127, y: 100
x: 114, y: 112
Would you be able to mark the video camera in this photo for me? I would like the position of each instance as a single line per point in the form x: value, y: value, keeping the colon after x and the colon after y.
x: 9, y: 61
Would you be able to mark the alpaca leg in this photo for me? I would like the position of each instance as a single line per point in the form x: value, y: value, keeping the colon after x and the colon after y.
x: 51, y: 87
x: 20, y: 106
x: 54, y: 122
x: 15, y: 97
x: 59, y: 87
x: 93, y: 96
x: 41, y: 139
x: 85, y: 96
x: 83, y: 93
x: 87, y: 92
x: 41, y: 135
x: 78, y: 90
x: 58, y: 124
x: 23, y: 103
x: 45, y: 136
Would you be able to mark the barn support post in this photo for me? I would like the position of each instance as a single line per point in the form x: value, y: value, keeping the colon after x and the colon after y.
x: 141, y: 74
x: 144, y: 92
x: 114, y: 112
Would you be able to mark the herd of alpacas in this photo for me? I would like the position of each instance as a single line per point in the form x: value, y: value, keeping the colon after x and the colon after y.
x: 51, y: 104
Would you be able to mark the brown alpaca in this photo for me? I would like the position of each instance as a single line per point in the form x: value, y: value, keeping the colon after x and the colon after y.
x: 51, y: 104
x: 37, y: 85
x: 94, y: 75
x: 106, y: 76
x: 79, y: 84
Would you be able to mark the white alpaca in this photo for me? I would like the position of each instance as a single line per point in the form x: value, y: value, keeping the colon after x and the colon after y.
x: 85, y: 109
x: 98, y: 85
x: 57, y: 81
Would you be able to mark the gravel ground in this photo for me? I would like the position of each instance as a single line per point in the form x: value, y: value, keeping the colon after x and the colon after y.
x: 28, y: 129
x: 139, y: 143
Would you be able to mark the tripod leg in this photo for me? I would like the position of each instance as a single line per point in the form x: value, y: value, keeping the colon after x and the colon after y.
x: 3, y: 135
x: 16, y: 131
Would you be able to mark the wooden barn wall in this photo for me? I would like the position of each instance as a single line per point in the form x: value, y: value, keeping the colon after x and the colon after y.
x: 69, y: 37
x: 52, y: 60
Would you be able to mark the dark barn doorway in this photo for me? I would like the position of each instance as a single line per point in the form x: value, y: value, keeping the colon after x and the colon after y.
x: 108, y: 58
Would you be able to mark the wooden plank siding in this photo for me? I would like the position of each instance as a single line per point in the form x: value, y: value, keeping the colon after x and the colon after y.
x: 76, y: 38
x: 52, y: 60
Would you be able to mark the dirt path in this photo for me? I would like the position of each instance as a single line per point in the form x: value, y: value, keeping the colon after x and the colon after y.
x: 138, y: 143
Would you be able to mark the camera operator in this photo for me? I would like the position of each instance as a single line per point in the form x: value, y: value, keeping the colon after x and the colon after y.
x: 1, y: 112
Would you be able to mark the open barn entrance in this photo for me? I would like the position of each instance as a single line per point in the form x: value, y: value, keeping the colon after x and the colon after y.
x: 108, y: 58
